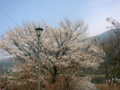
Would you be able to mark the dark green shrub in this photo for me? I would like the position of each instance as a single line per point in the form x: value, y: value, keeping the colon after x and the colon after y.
x: 98, y: 80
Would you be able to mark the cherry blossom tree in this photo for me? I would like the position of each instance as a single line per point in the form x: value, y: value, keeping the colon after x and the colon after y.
x: 65, y: 49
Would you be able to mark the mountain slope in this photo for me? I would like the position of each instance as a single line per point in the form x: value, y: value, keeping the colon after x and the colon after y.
x: 107, y: 33
x: 6, y: 63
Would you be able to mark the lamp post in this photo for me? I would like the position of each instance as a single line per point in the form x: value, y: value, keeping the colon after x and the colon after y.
x: 39, y: 32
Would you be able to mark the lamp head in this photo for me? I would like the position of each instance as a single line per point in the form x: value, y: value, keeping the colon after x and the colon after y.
x: 39, y: 31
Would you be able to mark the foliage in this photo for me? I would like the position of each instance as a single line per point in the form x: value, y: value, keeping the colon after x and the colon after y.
x: 98, y: 79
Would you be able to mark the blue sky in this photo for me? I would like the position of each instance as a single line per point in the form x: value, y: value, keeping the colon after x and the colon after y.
x: 93, y: 12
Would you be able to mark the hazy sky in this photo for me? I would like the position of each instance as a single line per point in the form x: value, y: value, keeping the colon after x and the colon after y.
x: 94, y: 12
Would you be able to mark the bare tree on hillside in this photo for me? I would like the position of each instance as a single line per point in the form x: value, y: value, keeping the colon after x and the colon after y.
x: 111, y: 47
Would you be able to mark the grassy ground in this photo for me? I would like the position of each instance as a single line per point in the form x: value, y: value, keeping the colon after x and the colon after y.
x: 106, y: 87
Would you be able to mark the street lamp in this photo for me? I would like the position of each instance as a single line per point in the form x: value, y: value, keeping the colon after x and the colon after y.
x: 39, y: 32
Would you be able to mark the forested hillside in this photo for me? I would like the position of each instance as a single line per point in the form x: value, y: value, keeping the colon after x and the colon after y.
x: 6, y: 63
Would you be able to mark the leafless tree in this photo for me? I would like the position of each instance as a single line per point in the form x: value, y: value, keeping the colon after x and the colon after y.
x: 111, y: 47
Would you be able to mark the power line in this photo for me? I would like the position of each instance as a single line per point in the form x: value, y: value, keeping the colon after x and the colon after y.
x: 8, y: 15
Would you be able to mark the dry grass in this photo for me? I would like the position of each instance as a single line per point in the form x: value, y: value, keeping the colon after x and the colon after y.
x: 106, y: 87
x: 62, y: 83
x: 16, y: 86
